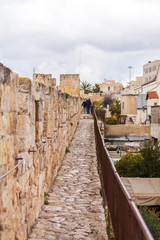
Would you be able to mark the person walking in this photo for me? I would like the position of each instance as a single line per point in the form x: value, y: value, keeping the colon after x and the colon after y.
x: 84, y: 106
x: 88, y: 105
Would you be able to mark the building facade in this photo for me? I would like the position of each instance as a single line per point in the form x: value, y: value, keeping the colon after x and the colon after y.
x: 129, y: 108
x: 150, y: 70
x: 111, y: 87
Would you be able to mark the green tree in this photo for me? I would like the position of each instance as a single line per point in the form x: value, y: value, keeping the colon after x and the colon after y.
x: 115, y: 110
x: 152, y: 220
x: 151, y: 155
x: 96, y: 88
x: 97, y: 104
x: 86, y: 87
x: 130, y: 165
x: 144, y: 164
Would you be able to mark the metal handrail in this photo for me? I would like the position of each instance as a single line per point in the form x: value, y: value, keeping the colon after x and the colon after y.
x: 38, y: 148
x: 47, y: 138
x: 7, y: 173
x: 4, y: 175
x: 126, y: 219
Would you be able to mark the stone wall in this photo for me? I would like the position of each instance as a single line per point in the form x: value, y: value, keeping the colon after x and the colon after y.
x: 70, y: 83
x: 127, y: 130
x: 31, y: 115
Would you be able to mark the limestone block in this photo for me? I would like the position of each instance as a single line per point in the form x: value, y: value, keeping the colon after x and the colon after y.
x: 13, y: 123
x: 7, y: 151
x: 23, y: 130
x: 23, y: 182
x: 24, y: 85
x: 41, y: 185
x: 47, y: 90
x: 23, y: 103
x: 39, y: 131
x: 22, y: 233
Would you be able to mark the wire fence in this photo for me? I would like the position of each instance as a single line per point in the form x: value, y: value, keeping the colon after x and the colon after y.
x: 126, y: 219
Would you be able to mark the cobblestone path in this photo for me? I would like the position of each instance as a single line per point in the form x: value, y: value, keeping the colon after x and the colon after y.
x: 75, y: 206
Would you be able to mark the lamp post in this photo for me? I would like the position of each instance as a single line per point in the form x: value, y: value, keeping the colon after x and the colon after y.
x: 130, y: 67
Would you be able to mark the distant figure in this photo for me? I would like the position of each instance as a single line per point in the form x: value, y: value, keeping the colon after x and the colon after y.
x: 88, y: 105
x: 84, y: 106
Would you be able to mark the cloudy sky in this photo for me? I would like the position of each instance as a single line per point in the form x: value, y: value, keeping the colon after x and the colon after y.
x: 98, y: 39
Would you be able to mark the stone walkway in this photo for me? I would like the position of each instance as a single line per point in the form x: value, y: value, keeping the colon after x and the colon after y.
x: 75, y: 206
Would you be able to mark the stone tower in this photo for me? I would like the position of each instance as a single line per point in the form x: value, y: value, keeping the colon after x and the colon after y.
x: 70, y: 83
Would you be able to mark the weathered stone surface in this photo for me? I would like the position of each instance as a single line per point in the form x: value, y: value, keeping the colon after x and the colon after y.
x: 31, y: 113
x: 75, y: 208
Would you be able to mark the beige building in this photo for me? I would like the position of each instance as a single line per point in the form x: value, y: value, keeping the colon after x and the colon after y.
x: 137, y: 82
x: 129, y: 107
x: 152, y: 100
x: 150, y: 71
x: 111, y: 87
x: 70, y: 83
x: 155, y: 123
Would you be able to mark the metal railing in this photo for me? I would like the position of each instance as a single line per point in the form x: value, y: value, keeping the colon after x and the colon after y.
x: 22, y: 160
x: 127, y: 222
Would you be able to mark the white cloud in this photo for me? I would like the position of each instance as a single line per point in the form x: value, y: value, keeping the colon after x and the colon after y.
x: 98, y: 39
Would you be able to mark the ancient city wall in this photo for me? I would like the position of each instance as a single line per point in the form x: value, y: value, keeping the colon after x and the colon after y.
x: 129, y: 130
x: 70, y: 83
x: 32, y: 115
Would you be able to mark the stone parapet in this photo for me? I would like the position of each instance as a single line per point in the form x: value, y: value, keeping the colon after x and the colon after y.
x: 45, y: 79
x: 70, y: 83
x: 32, y: 114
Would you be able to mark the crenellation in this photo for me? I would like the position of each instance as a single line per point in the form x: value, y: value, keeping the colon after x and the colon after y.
x: 70, y: 83
x: 45, y: 79
x: 31, y: 112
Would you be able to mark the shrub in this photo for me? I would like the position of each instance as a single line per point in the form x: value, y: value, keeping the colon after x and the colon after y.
x: 152, y: 220
x: 67, y: 150
x: 97, y: 104
x: 144, y: 164
x: 151, y: 155
x: 45, y: 194
x: 130, y: 165
x: 67, y: 95
x: 46, y: 202
x: 111, y: 228
x: 110, y: 121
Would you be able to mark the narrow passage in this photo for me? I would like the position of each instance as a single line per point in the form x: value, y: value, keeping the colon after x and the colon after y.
x: 75, y: 208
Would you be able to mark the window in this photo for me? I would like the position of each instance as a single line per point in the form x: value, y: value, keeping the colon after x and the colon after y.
x: 122, y: 105
x: 154, y: 68
x: 109, y: 88
x: 155, y: 104
x: 146, y: 70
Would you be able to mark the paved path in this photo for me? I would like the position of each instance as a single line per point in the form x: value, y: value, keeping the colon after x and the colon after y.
x: 75, y: 210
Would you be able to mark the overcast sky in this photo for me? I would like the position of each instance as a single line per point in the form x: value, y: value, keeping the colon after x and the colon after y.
x: 97, y: 39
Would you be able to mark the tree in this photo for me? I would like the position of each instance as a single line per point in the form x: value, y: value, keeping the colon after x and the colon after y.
x: 86, y: 87
x: 107, y: 100
x: 130, y: 165
x: 144, y: 164
x: 96, y: 88
x: 152, y: 220
x: 151, y: 155
x: 115, y: 110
